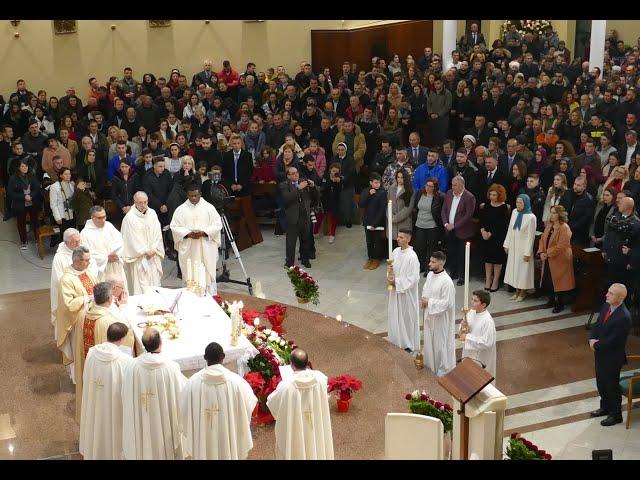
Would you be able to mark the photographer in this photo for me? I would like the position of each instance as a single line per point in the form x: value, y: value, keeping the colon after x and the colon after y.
x: 621, y: 244
x: 308, y: 172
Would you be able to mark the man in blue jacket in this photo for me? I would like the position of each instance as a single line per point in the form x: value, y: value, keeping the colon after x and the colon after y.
x: 431, y: 168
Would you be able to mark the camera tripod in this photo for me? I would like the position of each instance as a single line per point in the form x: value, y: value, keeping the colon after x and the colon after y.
x: 227, y: 236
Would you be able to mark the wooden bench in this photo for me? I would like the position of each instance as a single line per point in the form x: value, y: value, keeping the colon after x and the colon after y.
x: 45, y: 231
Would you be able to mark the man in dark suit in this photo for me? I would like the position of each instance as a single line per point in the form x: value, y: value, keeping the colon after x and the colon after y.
x: 448, y: 155
x: 630, y: 144
x: 607, y: 339
x: 237, y: 168
x: 339, y: 102
x: 505, y: 162
x: 297, y: 203
x: 480, y: 131
x: 491, y: 174
x: 416, y: 153
x: 457, y: 217
x: 474, y: 37
x: 205, y: 75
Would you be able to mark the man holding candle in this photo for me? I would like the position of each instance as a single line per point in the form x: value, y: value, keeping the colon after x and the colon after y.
x: 439, y: 303
x: 196, y: 227
x: 404, y: 274
x: 457, y: 217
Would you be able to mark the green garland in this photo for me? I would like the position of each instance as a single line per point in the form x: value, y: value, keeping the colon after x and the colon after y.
x: 424, y: 407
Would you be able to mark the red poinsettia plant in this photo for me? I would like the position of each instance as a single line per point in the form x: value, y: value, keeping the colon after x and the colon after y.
x: 248, y: 316
x: 520, y: 448
x: 344, y: 386
x: 276, y: 313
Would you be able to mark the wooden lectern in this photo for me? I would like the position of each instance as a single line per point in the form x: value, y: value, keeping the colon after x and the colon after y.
x: 463, y: 383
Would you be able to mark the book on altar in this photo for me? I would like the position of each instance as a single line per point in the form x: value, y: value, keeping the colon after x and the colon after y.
x: 286, y: 372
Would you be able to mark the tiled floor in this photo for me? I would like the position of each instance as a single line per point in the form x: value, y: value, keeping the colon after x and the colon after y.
x: 360, y: 297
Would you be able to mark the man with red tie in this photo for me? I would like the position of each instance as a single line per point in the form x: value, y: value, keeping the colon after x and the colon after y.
x: 608, y: 339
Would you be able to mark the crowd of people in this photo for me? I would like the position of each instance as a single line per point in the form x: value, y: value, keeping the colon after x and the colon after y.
x: 496, y: 146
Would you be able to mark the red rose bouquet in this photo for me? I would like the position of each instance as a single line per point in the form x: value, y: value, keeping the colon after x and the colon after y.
x: 520, y: 448
x: 248, y: 316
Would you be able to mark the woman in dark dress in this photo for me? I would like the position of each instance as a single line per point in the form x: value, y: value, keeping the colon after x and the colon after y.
x: 26, y: 198
x: 608, y: 204
x: 494, y: 221
x: 517, y: 182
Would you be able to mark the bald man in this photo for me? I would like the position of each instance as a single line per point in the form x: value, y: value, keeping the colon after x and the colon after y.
x: 608, y: 339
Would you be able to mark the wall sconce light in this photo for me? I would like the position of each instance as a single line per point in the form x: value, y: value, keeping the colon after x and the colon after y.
x: 113, y: 26
x: 207, y: 22
x: 15, y: 23
x: 16, y: 34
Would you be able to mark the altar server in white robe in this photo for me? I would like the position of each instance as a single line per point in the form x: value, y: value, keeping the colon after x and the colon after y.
x: 196, y: 227
x: 480, y: 341
x: 62, y: 259
x: 439, y: 301
x: 101, y: 418
x: 300, y: 405
x: 150, y: 397
x: 143, y: 248
x: 215, y: 411
x: 105, y: 243
x: 404, y: 311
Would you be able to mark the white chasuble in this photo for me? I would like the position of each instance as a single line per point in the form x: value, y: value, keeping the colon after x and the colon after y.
x: 215, y: 415
x: 141, y: 233
x: 404, y: 309
x: 439, y: 323
x: 101, y: 417
x: 204, y: 217
x: 101, y: 242
x: 150, y: 407
x: 300, y: 406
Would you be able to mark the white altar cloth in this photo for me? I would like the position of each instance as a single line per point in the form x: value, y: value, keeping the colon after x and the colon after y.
x: 201, y: 321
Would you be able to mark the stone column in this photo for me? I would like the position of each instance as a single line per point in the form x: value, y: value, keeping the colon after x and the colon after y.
x: 449, y: 37
x: 596, y: 49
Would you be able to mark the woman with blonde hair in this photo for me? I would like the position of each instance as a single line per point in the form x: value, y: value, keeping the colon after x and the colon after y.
x: 556, y: 254
x: 112, y: 136
x: 558, y: 194
x: 617, y: 179
x: 395, y: 96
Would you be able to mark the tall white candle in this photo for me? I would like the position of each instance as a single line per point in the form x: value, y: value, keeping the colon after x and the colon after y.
x: 390, y: 227
x: 203, y: 276
x: 467, y: 257
x: 189, y: 270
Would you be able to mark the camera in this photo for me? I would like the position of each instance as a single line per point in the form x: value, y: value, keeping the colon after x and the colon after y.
x: 215, y: 176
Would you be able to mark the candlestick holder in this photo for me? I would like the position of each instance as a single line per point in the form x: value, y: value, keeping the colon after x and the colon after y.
x: 419, y: 361
x: 390, y: 287
x: 464, y: 326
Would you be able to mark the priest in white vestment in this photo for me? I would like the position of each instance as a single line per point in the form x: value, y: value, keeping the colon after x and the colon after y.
x: 150, y: 397
x: 101, y: 417
x: 404, y: 311
x: 215, y: 411
x: 300, y: 405
x: 439, y: 301
x: 105, y: 243
x: 61, y: 260
x: 143, y: 247
x: 196, y: 227
x: 480, y: 341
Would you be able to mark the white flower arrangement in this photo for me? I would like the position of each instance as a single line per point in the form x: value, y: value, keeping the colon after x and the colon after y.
x: 527, y: 26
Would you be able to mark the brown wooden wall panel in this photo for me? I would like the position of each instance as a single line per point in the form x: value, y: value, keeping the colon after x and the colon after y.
x: 329, y: 48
